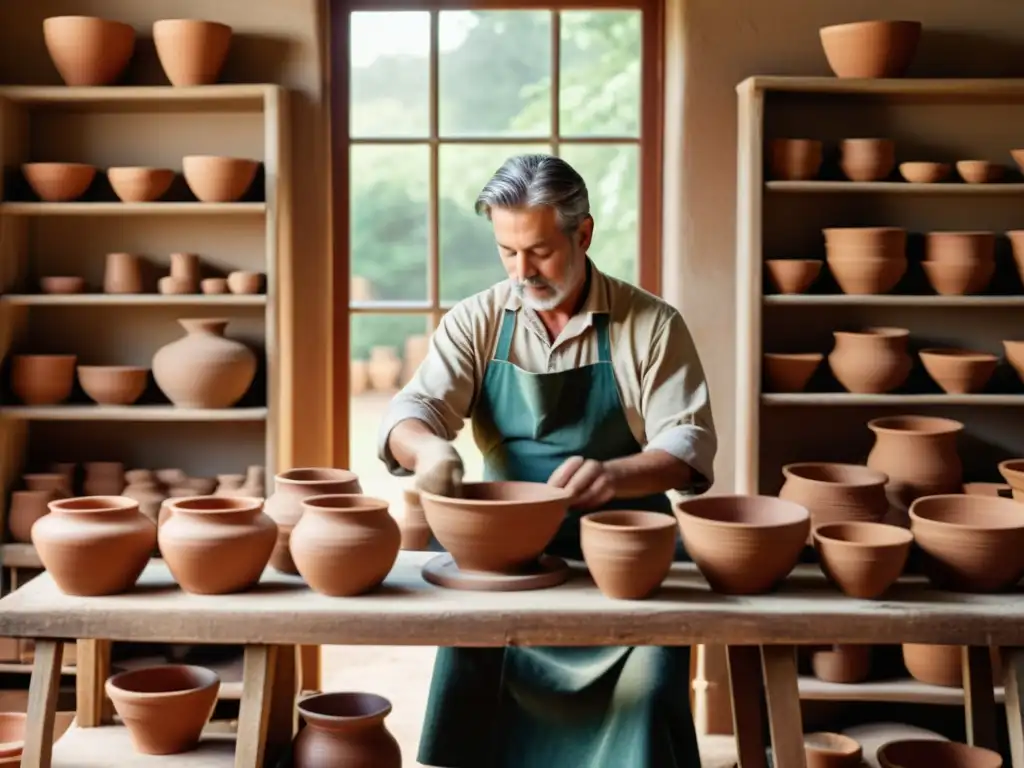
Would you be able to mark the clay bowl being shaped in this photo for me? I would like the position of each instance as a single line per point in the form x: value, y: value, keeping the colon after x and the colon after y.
x: 245, y: 282
x: 867, y: 275
x: 58, y: 182
x: 1014, y: 351
x: 980, y: 171
x: 790, y: 372
x: 794, y: 159
x: 191, y: 51
x: 930, y: 753
x: 496, y: 527
x: 959, y: 278
x: 925, y: 172
x: 215, y: 179
x: 140, y: 185
x: 113, y: 384
x: 164, y: 708
x: 862, y: 559
x: 960, y: 247
x: 87, y: 50
x: 870, y: 48
x: 1012, y: 471
x: 12, y: 734
x: 959, y: 371
x: 43, y: 379
x: 867, y: 159
x: 836, y: 493
x: 62, y: 284
x: 793, y: 275
x: 743, y: 545
x: 969, y: 543
x: 628, y: 553
x: 831, y: 750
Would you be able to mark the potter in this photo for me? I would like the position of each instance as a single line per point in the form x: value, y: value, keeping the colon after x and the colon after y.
x: 577, y: 379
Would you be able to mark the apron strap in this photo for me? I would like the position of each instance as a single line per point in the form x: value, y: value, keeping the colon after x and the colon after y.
x: 604, y: 344
x: 508, y: 325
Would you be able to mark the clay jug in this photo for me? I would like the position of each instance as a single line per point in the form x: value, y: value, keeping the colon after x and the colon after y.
x: 103, y: 478
x: 873, y: 361
x: 836, y: 493
x: 344, y: 544
x: 345, y: 730
x: 215, y: 545
x: 204, y: 369
x: 94, y: 545
x: 27, y: 507
x: 415, y: 531
x: 384, y: 368
x: 919, y: 454
x: 285, y: 504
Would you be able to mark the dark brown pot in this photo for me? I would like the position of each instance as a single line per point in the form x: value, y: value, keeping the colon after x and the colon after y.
x: 345, y: 730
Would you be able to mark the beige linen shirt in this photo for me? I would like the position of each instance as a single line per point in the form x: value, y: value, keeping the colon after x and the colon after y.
x: 659, y: 374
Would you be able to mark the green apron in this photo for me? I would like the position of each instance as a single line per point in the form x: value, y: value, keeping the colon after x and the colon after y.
x: 558, y: 707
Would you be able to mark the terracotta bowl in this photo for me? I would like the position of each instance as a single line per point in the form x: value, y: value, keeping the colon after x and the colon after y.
x: 943, y: 664
x: 925, y: 172
x: 1014, y: 351
x: 191, y: 51
x: 175, y: 286
x: 743, y: 545
x: 59, y: 182
x: 836, y: 493
x: 12, y: 734
x: 960, y: 247
x: 794, y: 159
x: 867, y: 275
x: 862, y: 559
x: 628, y: 552
x: 929, y: 753
x: 887, y: 242
x: 793, y: 275
x: 140, y: 185
x: 867, y: 159
x: 214, y: 285
x: 790, y: 372
x: 870, y: 48
x: 215, y: 179
x: 958, y: 278
x: 43, y: 379
x: 831, y: 750
x: 842, y: 663
x: 164, y: 708
x: 87, y: 50
x: 62, y: 284
x: 959, y: 371
x: 1012, y: 471
x: 245, y: 282
x: 496, y: 527
x: 979, y: 171
x: 113, y: 384
x: 969, y: 543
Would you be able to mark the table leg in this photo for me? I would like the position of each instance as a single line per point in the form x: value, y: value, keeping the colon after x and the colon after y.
x: 979, y: 697
x: 266, y: 718
x: 783, y: 697
x: 309, y: 667
x: 1013, y: 682
x: 42, y: 704
x: 744, y: 665
x: 92, y: 708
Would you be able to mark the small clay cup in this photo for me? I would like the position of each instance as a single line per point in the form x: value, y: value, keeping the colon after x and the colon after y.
x: 794, y: 159
x: 931, y: 753
x: 793, y: 275
x: 831, y: 750
x: 842, y: 663
x: 867, y: 159
x: 959, y: 278
x: 790, y: 372
x: 980, y: 171
x: 862, y: 559
x: 43, y: 379
x: 59, y: 182
x: 113, y: 384
x: 870, y: 49
x: 925, y: 172
x: 628, y: 552
x: 213, y: 286
x: 175, y: 286
x: 140, y: 185
x: 959, y: 371
x: 245, y: 282
x: 62, y: 284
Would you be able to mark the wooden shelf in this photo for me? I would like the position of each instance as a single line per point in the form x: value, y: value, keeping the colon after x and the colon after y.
x: 967, y: 88
x: 132, y: 209
x: 17, y: 668
x: 890, y: 300
x: 96, y: 747
x: 20, y: 556
x: 131, y: 300
x: 128, y: 98
x: 848, y: 398
x: 129, y: 413
x: 907, y: 691
x: 897, y: 187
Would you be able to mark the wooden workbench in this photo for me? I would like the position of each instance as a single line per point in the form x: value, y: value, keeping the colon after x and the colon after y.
x: 282, y: 613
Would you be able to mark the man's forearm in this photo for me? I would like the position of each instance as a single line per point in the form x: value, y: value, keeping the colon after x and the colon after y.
x: 405, y: 441
x: 647, y: 473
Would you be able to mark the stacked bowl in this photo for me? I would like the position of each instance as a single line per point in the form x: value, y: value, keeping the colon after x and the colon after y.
x: 866, y: 260
x: 959, y: 263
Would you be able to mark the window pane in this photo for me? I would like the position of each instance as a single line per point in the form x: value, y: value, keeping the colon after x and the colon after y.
x: 390, y: 81
x: 612, y: 176
x: 495, y: 73
x: 469, y: 257
x: 390, y: 185
x: 599, y: 88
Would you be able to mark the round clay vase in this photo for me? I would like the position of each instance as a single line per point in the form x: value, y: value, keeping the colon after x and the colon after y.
x: 873, y: 361
x: 191, y: 51
x: 204, y: 369
x: 628, y: 553
x: 94, y: 545
x: 345, y: 544
x: 835, y: 493
x: 415, y: 531
x: 345, y: 729
x: 284, y: 505
x: 919, y: 454
x: 216, y: 545
x: 87, y: 50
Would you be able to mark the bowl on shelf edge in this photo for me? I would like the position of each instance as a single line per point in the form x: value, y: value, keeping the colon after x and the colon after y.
x: 191, y: 51
x: 863, y: 559
x: 794, y: 159
x: 870, y: 49
x: 58, y: 182
x: 923, y: 172
x: 980, y: 171
x: 961, y: 278
x: 790, y: 372
x: 628, y: 552
x: 959, y: 371
x: 929, y: 753
x: 113, y: 384
x: 88, y: 50
x: 867, y: 159
x: 793, y: 275
x: 136, y: 184
x: 217, y: 179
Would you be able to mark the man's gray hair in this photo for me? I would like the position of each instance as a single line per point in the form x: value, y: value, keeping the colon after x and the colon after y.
x: 538, y: 179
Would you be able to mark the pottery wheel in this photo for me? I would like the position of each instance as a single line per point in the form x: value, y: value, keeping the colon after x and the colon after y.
x: 548, y: 572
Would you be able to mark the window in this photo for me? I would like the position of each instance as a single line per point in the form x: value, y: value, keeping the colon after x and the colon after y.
x: 426, y: 105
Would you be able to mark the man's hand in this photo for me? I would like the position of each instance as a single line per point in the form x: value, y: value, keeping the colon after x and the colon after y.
x: 439, y: 467
x: 591, y: 483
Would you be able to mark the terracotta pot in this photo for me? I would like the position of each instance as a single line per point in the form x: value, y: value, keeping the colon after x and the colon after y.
x: 980, y: 171
x: 26, y: 507
x: 103, y: 478
x: 1012, y: 471
x: 958, y: 278
x: 870, y: 48
x: 343, y: 528
x: 628, y: 553
x: 743, y: 545
x: 214, y: 285
x: 113, y: 384
x: 123, y: 273
x: 164, y: 708
x: 284, y: 505
x: 868, y: 275
x: 43, y: 379
x: 12, y: 737
x: 175, y: 286
x: 867, y: 159
x: 94, y: 545
x: 215, y: 179
x: 842, y: 663
x: 959, y: 371
x: 969, y: 543
x: 62, y: 284
x: 942, y: 664
x: 919, y: 454
x: 216, y: 545
x: 415, y: 531
x: 245, y: 282
x: 497, y: 526
x: 1015, y: 355
x: 185, y: 267
x: 1016, y: 238
x: 790, y: 372
x: 59, y: 182
x: 794, y: 159
x: 87, y: 50
x: 929, y: 753
x: 862, y: 559
x: 836, y: 493
x: 925, y: 172
x: 832, y: 750
x: 345, y: 729
x: 140, y: 185
x: 959, y: 247
x: 359, y: 377
x: 384, y: 369
x: 191, y: 52
x: 872, y: 361
x: 793, y: 275
x: 203, y: 369
x: 866, y: 260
